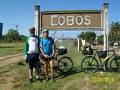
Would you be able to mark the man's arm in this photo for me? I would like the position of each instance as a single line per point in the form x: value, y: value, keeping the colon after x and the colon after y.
x: 26, y: 47
x: 39, y: 44
x: 41, y: 49
x: 54, y: 48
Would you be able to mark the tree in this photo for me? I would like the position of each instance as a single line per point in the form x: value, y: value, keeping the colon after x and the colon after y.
x: 22, y: 38
x: 100, y: 39
x: 12, y: 35
x: 88, y: 36
x: 82, y: 35
x: 114, y: 34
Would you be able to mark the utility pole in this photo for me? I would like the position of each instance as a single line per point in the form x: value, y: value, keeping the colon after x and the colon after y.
x: 16, y: 27
x: 17, y: 31
x: 62, y: 39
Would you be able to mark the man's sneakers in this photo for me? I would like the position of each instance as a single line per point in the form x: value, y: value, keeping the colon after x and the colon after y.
x: 37, y: 78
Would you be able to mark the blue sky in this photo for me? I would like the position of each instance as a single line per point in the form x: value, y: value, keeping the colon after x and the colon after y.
x: 21, y: 12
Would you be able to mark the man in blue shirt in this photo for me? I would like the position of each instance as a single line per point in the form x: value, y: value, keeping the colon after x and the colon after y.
x: 48, y: 51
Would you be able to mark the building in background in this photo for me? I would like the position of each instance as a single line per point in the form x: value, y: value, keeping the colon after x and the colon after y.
x: 1, y: 27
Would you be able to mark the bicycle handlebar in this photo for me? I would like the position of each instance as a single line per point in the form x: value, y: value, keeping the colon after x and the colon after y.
x: 112, y: 50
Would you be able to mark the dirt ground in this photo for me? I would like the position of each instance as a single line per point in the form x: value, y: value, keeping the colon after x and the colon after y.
x: 9, y: 59
x: 5, y: 78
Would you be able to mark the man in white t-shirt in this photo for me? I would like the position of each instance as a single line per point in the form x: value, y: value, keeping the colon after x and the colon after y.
x: 32, y: 53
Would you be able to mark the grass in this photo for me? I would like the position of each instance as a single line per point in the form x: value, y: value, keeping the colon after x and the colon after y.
x: 75, y: 80
x: 15, y: 77
x: 10, y: 48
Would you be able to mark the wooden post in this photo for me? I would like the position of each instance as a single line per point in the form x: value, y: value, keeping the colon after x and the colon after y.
x: 78, y: 44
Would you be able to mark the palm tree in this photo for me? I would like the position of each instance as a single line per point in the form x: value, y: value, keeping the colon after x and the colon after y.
x: 114, y: 31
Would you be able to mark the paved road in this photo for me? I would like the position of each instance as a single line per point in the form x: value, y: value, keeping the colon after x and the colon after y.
x: 9, y: 59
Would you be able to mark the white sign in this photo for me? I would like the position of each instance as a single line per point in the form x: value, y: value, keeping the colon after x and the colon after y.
x: 70, y: 20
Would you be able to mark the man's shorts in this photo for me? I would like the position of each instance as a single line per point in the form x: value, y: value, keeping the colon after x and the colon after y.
x: 48, y: 59
x: 33, y: 60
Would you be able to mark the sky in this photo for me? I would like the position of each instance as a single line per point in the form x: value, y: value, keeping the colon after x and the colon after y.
x: 21, y: 12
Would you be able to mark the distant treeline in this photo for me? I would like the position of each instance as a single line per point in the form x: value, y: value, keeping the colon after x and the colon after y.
x: 12, y: 36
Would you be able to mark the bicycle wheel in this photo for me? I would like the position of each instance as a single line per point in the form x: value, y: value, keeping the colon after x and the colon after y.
x: 89, y: 64
x: 115, y: 65
x: 65, y: 64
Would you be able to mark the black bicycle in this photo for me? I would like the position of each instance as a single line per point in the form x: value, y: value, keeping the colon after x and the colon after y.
x: 91, y: 63
x: 63, y: 63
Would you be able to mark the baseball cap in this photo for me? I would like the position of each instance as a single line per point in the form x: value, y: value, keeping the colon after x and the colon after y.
x: 45, y: 30
x: 32, y: 29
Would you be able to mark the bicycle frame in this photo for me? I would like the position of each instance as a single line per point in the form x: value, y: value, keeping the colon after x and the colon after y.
x: 102, y: 62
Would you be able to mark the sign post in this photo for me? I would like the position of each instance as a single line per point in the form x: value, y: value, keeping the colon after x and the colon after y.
x: 37, y: 19
x: 73, y: 19
x: 105, y: 25
x: 78, y: 44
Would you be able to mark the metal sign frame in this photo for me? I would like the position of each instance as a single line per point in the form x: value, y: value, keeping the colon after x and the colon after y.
x: 103, y: 20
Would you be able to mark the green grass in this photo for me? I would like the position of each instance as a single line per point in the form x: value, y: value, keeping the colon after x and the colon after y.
x: 10, y: 48
x: 75, y: 80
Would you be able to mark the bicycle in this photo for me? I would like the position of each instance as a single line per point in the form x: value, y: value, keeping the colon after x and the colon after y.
x: 91, y: 63
x: 64, y: 64
x: 115, y: 64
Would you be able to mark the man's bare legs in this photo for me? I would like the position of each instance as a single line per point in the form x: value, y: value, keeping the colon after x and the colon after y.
x: 37, y: 73
x: 52, y: 68
x: 46, y: 69
x: 52, y: 65
x: 30, y: 73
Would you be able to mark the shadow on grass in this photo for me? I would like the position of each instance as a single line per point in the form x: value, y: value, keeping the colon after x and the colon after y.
x: 60, y: 75
x: 73, y: 71
x: 78, y: 70
x: 115, y: 70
